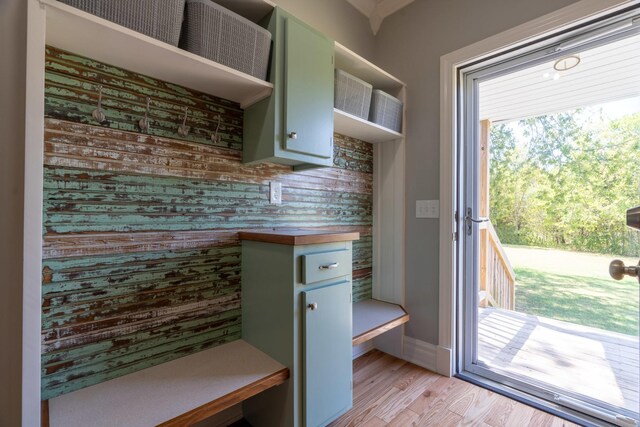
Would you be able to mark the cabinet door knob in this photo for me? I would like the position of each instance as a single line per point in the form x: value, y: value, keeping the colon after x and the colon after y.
x: 293, y: 135
x: 313, y: 306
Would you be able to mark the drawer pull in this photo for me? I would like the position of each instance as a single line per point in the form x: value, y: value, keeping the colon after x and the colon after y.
x: 329, y: 266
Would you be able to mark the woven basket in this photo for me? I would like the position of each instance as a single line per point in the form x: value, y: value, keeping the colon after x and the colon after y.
x: 160, y: 19
x: 352, y: 95
x: 216, y: 33
x: 386, y: 110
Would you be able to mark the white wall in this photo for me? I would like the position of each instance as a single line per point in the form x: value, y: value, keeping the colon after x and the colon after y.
x: 337, y: 19
x: 409, y: 45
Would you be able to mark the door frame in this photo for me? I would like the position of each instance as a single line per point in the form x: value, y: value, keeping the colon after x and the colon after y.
x: 556, y: 22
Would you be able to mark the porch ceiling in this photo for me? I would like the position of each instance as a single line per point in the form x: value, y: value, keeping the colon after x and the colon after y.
x: 606, y: 73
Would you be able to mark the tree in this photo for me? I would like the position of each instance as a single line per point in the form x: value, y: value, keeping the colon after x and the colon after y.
x: 566, y: 180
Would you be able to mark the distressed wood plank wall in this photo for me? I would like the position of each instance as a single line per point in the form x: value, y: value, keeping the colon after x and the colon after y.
x: 141, y: 254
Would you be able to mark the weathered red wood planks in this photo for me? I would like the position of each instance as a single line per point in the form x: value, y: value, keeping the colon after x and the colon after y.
x: 141, y: 252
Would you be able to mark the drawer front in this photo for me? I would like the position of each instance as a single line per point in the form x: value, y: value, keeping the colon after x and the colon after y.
x: 325, y: 265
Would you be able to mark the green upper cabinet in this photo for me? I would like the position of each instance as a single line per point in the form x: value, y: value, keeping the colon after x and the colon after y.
x: 294, y: 126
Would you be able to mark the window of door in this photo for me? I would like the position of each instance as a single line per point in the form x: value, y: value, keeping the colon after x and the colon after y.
x: 550, y: 161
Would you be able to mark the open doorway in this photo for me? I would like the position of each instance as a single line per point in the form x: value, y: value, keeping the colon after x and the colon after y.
x: 552, y: 164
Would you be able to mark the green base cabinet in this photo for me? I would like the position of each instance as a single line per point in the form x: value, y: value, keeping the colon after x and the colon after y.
x: 294, y: 126
x: 306, y: 327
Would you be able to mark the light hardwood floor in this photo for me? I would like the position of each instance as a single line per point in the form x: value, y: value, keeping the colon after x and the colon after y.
x: 391, y: 392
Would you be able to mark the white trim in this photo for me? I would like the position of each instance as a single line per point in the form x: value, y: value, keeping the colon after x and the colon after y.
x: 559, y: 20
x: 420, y: 353
x: 361, y: 349
x: 443, y: 361
x: 32, y: 228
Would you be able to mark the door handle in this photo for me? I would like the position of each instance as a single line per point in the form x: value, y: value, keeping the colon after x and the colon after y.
x: 469, y: 220
x: 618, y: 270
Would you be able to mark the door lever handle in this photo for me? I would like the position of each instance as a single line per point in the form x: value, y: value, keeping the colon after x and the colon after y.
x: 469, y: 219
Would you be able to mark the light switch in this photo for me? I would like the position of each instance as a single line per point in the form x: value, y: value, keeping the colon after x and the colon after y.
x: 275, y: 193
x: 427, y: 208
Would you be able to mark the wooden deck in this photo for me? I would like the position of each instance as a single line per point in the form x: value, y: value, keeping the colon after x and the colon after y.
x: 599, y: 364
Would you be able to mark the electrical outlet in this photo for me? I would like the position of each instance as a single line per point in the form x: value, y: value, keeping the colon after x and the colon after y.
x: 427, y: 208
x: 275, y: 193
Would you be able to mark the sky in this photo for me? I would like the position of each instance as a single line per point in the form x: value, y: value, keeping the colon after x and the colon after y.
x: 610, y: 110
x: 616, y: 109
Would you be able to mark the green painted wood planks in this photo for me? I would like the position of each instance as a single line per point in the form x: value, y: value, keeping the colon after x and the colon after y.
x: 141, y: 254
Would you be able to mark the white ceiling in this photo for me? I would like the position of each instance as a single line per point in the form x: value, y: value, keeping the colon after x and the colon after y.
x: 606, y: 73
x: 377, y: 10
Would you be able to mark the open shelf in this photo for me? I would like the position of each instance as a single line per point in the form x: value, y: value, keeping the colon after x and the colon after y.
x: 350, y: 125
x: 357, y: 66
x: 373, y: 317
x: 84, y: 34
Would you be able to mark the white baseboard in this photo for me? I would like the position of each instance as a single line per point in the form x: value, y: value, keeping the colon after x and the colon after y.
x: 361, y: 349
x: 444, y: 362
x: 420, y: 353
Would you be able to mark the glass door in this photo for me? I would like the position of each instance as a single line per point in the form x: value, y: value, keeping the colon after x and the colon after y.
x: 551, y: 162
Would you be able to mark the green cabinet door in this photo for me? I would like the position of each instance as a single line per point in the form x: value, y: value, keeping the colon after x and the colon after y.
x: 294, y: 126
x: 308, y: 91
x: 327, y: 353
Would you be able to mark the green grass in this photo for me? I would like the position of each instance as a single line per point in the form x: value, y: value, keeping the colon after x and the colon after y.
x: 588, y: 301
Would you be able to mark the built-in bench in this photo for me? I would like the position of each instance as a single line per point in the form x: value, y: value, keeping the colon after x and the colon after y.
x: 177, y: 393
x: 192, y: 388
x: 373, y: 317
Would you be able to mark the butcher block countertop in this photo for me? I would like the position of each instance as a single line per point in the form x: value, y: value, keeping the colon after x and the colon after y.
x: 298, y: 236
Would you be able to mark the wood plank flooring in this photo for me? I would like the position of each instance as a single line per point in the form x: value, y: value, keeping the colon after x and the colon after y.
x: 391, y: 392
x: 558, y: 354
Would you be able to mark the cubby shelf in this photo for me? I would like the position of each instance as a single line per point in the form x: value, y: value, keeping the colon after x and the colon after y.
x: 373, y: 317
x: 79, y: 32
x: 350, y: 125
x: 356, y: 65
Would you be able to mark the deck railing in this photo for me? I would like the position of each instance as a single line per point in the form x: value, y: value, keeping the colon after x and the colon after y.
x: 497, y: 278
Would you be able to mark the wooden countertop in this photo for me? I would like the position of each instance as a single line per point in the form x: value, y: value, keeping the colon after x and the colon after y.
x: 298, y: 237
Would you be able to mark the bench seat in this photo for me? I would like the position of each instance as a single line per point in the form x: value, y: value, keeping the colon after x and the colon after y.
x: 177, y: 393
x: 373, y: 317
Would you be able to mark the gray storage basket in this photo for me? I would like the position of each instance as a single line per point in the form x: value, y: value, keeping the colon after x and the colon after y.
x: 218, y: 34
x: 160, y: 19
x: 386, y: 110
x: 352, y: 95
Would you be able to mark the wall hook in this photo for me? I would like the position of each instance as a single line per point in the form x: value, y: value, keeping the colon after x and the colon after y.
x: 215, y: 138
x: 144, y: 123
x: 98, y: 114
x: 183, y: 129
